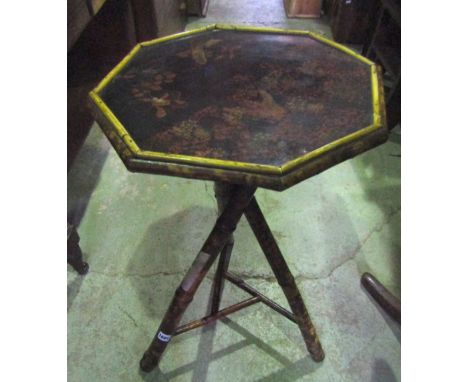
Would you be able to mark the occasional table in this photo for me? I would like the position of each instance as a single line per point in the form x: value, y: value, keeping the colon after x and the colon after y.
x: 244, y: 107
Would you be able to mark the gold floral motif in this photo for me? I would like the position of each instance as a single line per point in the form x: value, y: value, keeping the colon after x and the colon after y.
x: 315, y: 108
x: 259, y: 104
x: 185, y: 128
x: 208, y: 111
x: 228, y: 52
x: 298, y: 104
x: 159, y: 104
x: 201, y: 52
x: 232, y: 115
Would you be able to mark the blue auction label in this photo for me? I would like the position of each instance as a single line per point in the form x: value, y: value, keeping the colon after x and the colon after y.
x: 163, y: 337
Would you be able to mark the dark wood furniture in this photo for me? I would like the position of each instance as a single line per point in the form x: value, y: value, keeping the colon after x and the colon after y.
x: 350, y: 21
x: 103, y: 41
x: 387, y: 301
x: 79, y: 14
x: 291, y: 105
x: 100, y: 34
x: 197, y: 7
x: 74, y: 254
x: 383, y: 45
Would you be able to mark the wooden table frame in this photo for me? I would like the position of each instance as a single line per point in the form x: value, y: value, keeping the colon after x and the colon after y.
x: 233, y: 201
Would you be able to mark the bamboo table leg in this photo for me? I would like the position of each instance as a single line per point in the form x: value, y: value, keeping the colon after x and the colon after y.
x: 285, y: 278
x: 218, y: 284
x: 223, y: 191
x: 215, y: 242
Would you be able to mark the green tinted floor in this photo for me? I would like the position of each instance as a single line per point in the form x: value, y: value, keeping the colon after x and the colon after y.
x: 140, y: 234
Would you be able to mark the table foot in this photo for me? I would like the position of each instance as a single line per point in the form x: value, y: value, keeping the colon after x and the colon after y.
x: 387, y: 301
x: 216, y: 241
x: 74, y: 254
x: 285, y: 278
x: 148, y: 362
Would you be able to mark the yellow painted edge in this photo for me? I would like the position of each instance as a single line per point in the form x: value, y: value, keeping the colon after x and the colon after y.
x: 313, y: 35
x: 178, y: 35
x: 341, y: 47
x: 119, y: 128
x: 211, y: 162
x: 165, y: 157
x: 117, y: 69
x: 376, y: 96
x: 377, y: 123
x: 137, y: 47
x: 124, y: 135
x: 287, y: 167
x: 260, y: 29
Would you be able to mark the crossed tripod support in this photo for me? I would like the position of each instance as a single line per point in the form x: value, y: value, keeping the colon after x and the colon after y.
x: 233, y: 201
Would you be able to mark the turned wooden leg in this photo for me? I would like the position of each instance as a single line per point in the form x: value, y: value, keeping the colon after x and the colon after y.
x: 223, y: 192
x: 285, y: 278
x: 215, y: 242
x: 74, y: 254
x: 387, y: 301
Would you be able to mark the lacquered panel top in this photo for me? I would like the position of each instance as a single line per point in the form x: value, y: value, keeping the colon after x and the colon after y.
x: 241, y: 96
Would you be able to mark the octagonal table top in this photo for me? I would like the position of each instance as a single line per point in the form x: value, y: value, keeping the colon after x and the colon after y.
x: 257, y: 106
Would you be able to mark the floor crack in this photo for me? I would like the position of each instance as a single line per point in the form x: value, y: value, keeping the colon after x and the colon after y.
x: 129, y: 316
x: 307, y: 277
x: 377, y: 228
x: 269, y: 277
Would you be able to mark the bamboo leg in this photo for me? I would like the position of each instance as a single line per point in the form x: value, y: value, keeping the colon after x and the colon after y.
x: 223, y: 192
x: 218, y: 284
x: 216, y: 241
x: 285, y: 278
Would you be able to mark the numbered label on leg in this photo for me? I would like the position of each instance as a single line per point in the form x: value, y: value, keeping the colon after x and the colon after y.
x: 163, y: 337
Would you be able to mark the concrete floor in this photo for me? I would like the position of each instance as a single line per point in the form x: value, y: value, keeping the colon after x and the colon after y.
x: 140, y: 234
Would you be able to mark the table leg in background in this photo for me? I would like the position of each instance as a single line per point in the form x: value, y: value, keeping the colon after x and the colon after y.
x: 387, y: 301
x: 74, y: 254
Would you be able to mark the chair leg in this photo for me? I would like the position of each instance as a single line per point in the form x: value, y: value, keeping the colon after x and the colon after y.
x: 74, y: 254
x: 285, y: 278
x: 215, y: 242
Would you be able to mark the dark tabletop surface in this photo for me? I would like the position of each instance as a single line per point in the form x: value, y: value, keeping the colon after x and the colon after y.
x: 260, y: 98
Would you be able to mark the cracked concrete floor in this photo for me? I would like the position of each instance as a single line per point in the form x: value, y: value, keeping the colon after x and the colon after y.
x: 140, y: 234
